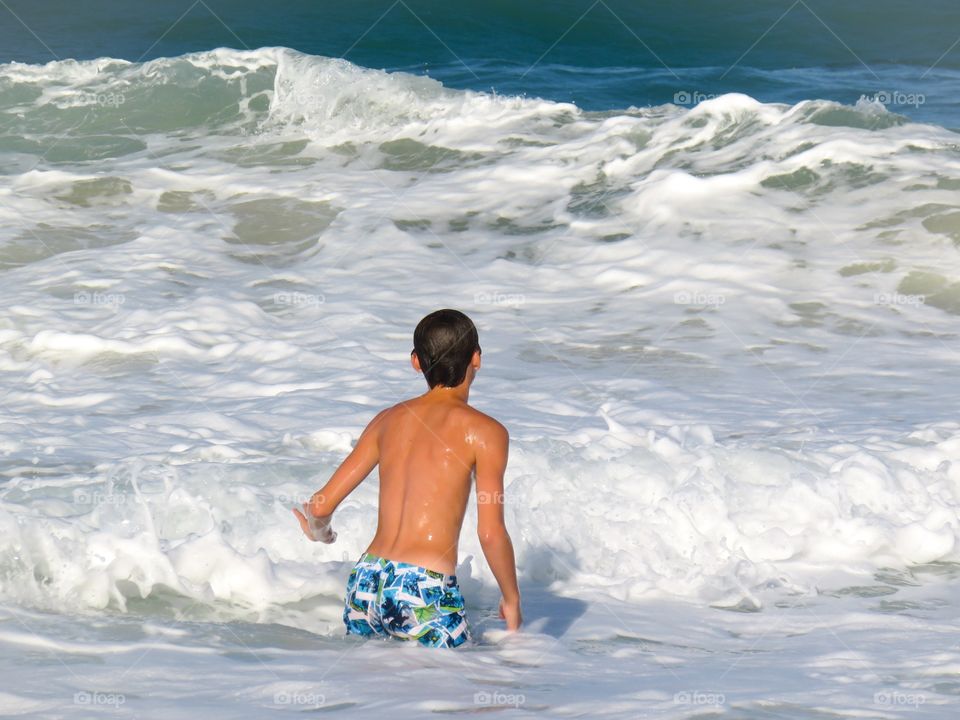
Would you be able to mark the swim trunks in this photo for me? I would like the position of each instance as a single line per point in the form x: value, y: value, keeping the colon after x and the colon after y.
x: 404, y: 601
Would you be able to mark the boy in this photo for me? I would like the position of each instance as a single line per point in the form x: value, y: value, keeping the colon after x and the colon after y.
x: 428, y: 448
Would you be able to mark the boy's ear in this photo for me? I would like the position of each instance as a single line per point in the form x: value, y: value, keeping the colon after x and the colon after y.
x: 415, y: 361
x: 475, y: 360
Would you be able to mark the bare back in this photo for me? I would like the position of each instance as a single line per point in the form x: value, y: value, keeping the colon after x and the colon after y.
x: 427, y: 454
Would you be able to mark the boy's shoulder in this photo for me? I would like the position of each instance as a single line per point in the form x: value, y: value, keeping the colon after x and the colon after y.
x: 488, y: 430
x: 486, y: 422
x: 472, y: 418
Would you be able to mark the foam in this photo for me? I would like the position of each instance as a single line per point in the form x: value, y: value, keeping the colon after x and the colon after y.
x: 690, y: 320
x: 705, y: 521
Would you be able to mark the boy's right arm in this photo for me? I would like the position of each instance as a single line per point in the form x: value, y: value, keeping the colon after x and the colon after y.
x: 316, y: 514
x: 491, y: 454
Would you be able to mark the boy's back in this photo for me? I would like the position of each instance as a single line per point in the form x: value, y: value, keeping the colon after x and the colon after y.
x: 427, y: 447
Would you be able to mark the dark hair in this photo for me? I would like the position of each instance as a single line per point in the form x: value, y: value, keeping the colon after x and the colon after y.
x: 444, y: 342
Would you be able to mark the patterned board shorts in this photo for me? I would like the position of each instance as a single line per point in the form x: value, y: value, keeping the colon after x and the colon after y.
x: 404, y: 601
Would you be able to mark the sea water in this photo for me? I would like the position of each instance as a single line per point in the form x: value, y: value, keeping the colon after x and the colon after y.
x: 722, y: 335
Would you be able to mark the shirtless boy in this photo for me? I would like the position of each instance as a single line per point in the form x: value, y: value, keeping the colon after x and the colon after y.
x: 428, y: 449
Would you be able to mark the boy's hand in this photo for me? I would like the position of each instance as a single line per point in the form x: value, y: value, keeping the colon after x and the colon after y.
x: 511, y: 613
x: 317, y: 529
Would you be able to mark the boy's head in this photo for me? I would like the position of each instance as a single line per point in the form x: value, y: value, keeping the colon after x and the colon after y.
x: 444, y: 344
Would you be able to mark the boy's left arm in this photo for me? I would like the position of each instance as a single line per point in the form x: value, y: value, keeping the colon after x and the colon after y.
x: 316, y: 515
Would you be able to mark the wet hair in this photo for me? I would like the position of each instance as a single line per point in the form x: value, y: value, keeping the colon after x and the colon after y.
x: 444, y: 342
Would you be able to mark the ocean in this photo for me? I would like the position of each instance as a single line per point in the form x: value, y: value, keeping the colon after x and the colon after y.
x: 712, y: 253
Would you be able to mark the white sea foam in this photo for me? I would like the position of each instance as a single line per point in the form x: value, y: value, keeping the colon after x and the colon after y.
x: 723, y: 338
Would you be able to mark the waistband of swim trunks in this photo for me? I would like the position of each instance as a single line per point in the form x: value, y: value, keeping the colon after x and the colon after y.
x: 371, y: 558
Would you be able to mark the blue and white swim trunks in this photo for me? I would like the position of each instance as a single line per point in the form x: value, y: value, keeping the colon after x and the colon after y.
x: 404, y: 601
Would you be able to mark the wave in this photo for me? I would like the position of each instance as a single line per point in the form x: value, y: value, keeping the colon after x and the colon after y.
x: 634, y: 516
x: 228, y: 90
x: 108, y: 123
x: 174, y: 213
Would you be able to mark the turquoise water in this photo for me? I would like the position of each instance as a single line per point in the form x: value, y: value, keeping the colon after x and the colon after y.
x: 606, y: 54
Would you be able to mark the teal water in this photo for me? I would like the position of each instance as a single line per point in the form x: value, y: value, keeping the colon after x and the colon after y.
x: 601, y: 54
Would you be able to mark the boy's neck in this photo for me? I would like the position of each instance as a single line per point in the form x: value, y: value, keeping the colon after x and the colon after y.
x: 460, y: 393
